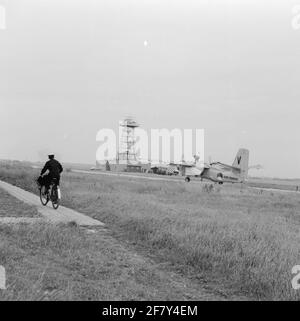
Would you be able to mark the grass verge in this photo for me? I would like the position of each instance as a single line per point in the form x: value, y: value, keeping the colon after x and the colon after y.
x: 247, y: 239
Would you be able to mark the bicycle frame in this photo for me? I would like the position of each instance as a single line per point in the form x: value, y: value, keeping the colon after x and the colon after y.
x: 53, y: 195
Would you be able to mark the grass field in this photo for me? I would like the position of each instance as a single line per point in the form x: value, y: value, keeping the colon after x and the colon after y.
x: 10, y: 207
x: 244, y: 240
x: 64, y: 262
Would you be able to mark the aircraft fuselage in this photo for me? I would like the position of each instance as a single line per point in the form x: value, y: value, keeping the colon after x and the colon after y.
x: 222, y: 173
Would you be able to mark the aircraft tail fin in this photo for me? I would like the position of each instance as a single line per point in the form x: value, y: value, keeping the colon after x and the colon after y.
x: 242, y: 162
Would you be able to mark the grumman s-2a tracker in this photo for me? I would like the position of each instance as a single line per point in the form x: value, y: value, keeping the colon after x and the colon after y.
x: 219, y: 172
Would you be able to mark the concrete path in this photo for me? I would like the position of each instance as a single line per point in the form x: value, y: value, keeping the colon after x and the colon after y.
x: 63, y: 214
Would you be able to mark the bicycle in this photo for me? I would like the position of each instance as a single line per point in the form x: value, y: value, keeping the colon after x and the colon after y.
x: 53, y: 194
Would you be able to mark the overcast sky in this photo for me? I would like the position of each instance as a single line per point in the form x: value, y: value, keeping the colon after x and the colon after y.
x: 69, y: 68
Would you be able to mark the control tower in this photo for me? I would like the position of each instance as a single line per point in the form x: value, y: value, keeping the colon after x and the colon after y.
x: 127, y: 152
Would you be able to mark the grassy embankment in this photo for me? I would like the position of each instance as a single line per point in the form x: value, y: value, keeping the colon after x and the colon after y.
x: 64, y: 262
x: 247, y: 239
x: 11, y: 207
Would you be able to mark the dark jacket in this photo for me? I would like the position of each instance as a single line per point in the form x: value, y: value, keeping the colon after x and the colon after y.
x: 54, y: 167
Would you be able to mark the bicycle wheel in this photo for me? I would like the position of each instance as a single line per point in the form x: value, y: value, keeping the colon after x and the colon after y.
x: 55, y: 197
x: 44, y: 197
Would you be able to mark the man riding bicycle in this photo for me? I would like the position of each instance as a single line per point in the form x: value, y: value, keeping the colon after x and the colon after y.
x: 55, y: 169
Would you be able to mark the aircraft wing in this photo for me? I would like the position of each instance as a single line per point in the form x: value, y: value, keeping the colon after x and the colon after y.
x: 159, y: 166
x: 193, y: 171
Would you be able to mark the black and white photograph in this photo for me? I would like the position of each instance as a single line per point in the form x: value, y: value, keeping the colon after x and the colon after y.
x: 149, y: 152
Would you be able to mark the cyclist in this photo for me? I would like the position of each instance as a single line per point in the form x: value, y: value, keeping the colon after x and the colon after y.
x: 54, y: 169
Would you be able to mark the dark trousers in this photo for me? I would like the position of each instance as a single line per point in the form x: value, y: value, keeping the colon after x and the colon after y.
x: 49, y: 178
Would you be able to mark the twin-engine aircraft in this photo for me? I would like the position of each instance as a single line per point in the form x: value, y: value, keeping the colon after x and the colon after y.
x: 219, y: 172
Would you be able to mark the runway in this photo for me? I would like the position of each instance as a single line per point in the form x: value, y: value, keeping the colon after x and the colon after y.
x: 174, y: 179
x: 129, y: 175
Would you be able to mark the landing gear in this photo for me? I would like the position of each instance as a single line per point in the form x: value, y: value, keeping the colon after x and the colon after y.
x: 187, y: 179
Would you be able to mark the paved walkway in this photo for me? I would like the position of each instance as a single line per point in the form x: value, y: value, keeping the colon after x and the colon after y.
x: 63, y: 214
